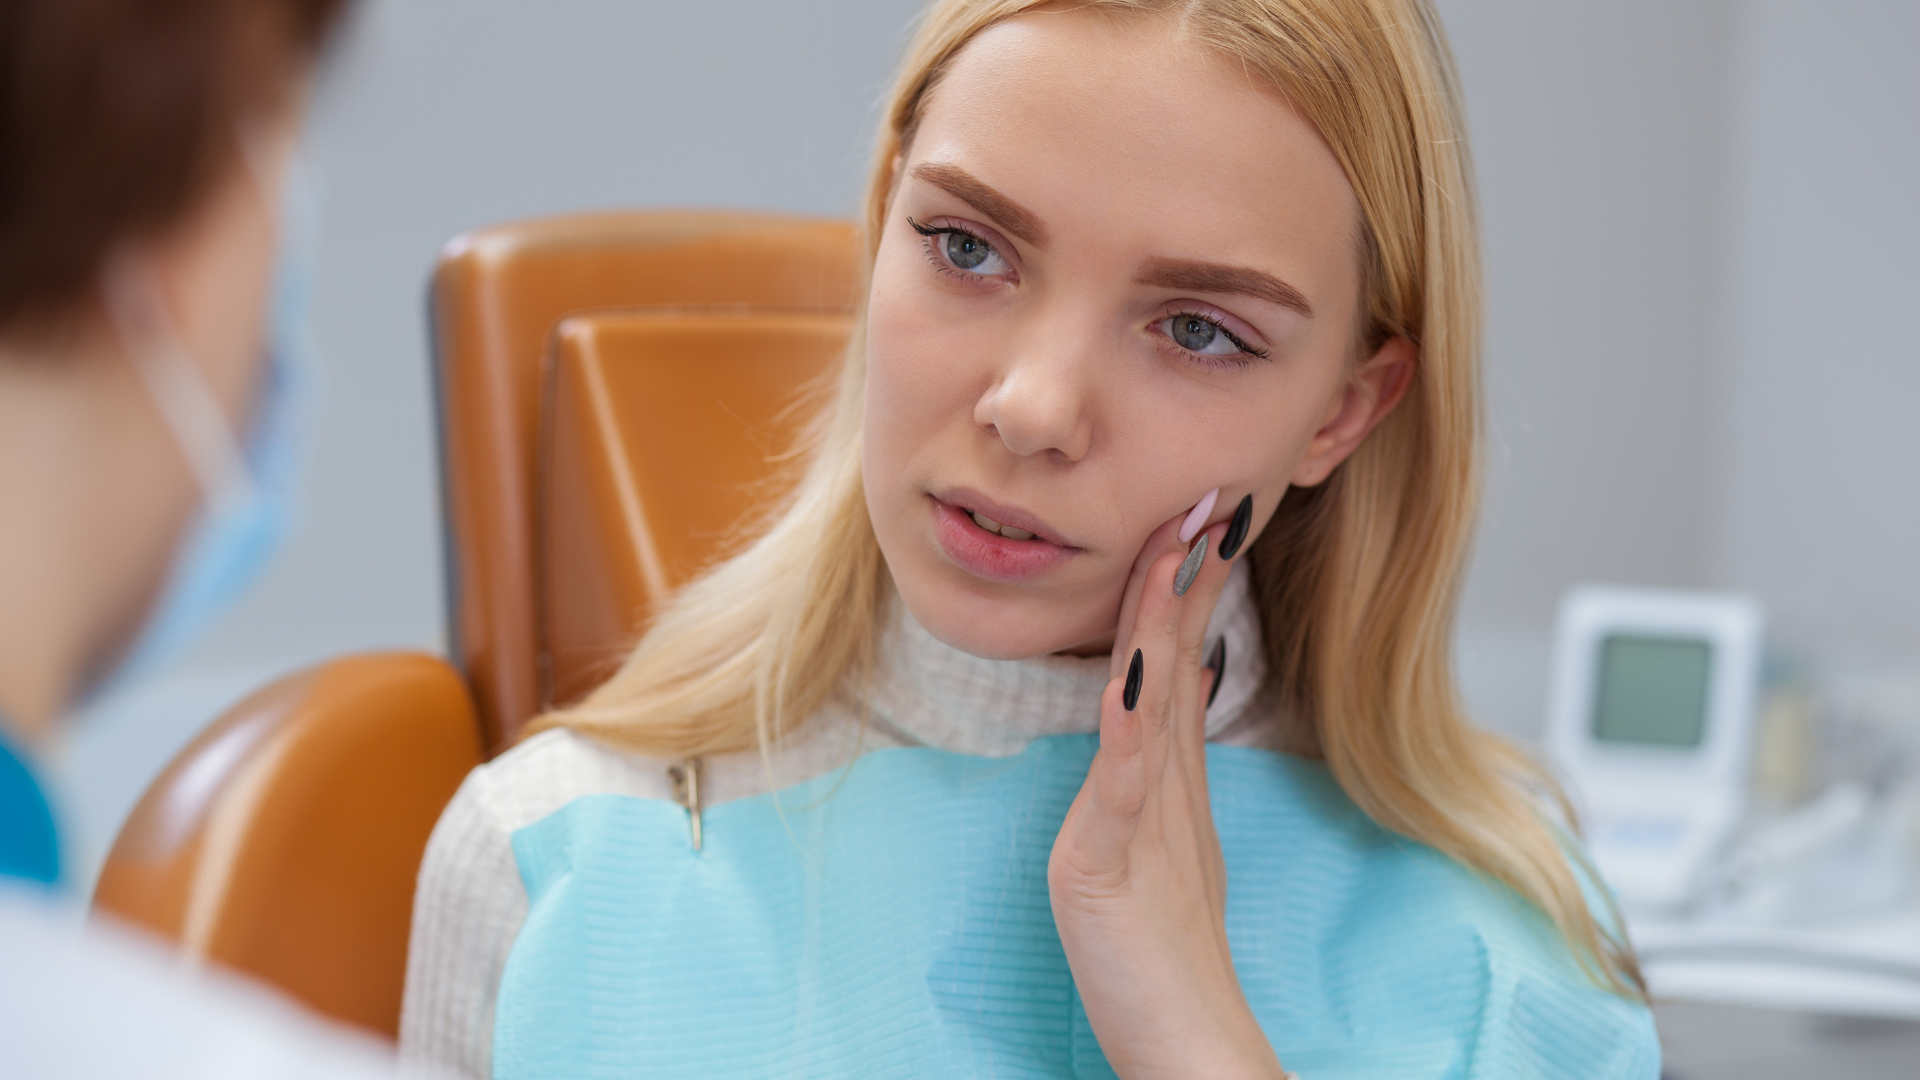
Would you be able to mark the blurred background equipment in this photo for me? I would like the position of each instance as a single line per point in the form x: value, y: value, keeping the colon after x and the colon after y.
x: 1782, y: 879
x: 1651, y: 717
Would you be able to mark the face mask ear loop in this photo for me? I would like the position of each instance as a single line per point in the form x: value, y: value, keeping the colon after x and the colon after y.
x: 178, y: 387
x: 276, y: 168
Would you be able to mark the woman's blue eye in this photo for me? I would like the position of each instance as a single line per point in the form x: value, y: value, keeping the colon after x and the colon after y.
x: 953, y: 248
x: 966, y: 252
x: 1201, y: 335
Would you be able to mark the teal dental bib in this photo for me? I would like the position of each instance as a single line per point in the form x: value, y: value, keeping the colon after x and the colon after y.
x: 891, y: 920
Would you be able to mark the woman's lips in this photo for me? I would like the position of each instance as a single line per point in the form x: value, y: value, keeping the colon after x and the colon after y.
x: 990, y: 555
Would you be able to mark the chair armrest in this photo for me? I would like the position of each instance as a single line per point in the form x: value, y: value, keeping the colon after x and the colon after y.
x: 285, y: 840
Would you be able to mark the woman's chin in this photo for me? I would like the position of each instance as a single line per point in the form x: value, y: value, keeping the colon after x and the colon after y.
x: 996, y: 629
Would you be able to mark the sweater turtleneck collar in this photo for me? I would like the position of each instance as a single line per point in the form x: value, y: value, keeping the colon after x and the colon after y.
x: 928, y: 693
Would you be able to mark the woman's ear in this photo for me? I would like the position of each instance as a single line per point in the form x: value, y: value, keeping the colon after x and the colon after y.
x: 1365, y: 399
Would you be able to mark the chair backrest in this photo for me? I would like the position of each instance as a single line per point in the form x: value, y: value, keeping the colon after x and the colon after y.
x: 497, y: 295
x: 285, y: 840
x: 663, y: 431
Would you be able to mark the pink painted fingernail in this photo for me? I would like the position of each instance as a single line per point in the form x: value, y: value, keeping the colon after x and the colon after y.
x: 1197, y: 520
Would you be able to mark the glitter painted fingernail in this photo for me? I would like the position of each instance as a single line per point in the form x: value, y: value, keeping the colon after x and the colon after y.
x: 1190, y: 569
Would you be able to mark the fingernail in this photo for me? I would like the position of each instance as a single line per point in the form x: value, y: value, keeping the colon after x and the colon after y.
x: 1197, y: 520
x: 1190, y: 569
x: 1218, y: 662
x: 1237, y: 531
x: 1136, y: 671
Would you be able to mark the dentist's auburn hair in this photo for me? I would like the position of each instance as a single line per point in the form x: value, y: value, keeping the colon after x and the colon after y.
x: 1356, y: 579
x: 117, y: 117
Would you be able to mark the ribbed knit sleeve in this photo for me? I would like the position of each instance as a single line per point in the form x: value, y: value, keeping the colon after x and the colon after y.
x: 467, y: 910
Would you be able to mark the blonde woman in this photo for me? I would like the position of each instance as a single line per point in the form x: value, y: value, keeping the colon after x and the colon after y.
x: 1087, y: 710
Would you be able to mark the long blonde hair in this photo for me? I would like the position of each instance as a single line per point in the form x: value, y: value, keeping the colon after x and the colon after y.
x: 1356, y: 579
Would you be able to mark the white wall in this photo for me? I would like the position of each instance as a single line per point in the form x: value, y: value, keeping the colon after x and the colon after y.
x: 1816, y: 457
x: 1701, y: 244
x: 1598, y: 132
x: 1702, y: 228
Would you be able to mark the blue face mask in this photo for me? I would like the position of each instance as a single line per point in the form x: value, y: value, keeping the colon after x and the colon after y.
x: 249, y: 483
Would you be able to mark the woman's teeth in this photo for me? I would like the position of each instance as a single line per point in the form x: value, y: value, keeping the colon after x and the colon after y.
x: 993, y: 526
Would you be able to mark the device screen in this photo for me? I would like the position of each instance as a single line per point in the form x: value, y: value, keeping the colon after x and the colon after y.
x: 1652, y: 690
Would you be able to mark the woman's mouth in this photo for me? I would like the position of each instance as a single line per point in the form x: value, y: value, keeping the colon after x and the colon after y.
x: 995, y: 527
x: 992, y: 549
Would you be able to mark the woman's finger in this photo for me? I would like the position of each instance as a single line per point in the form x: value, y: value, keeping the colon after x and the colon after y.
x: 1208, y: 580
x: 1226, y: 543
x: 1162, y: 540
x: 1105, y: 816
x: 1153, y: 650
x: 1159, y: 659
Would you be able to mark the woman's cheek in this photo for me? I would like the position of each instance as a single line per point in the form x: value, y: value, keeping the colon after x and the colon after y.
x: 919, y: 374
x: 890, y: 398
x: 902, y: 418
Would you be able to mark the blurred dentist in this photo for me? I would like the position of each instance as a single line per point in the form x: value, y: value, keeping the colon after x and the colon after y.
x: 148, y: 374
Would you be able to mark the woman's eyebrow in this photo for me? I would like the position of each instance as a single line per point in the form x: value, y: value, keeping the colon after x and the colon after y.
x: 966, y: 187
x: 1221, y: 278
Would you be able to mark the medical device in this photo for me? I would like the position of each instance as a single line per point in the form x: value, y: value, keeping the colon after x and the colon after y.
x: 1651, y: 717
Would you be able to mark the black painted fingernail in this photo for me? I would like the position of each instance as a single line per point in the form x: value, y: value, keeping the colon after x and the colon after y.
x: 1190, y: 569
x: 1218, y: 662
x: 1136, y: 672
x: 1237, y: 530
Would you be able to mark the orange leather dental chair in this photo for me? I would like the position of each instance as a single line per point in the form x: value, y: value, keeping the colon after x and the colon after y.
x: 616, y: 392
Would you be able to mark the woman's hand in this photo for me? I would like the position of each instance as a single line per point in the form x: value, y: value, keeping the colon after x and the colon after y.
x: 1138, y: 884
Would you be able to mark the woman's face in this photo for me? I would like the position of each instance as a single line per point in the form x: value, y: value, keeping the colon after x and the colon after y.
x: 1117, y: 273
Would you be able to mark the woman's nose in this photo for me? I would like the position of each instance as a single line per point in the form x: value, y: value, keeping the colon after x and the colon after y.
x: 1039, y: 404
